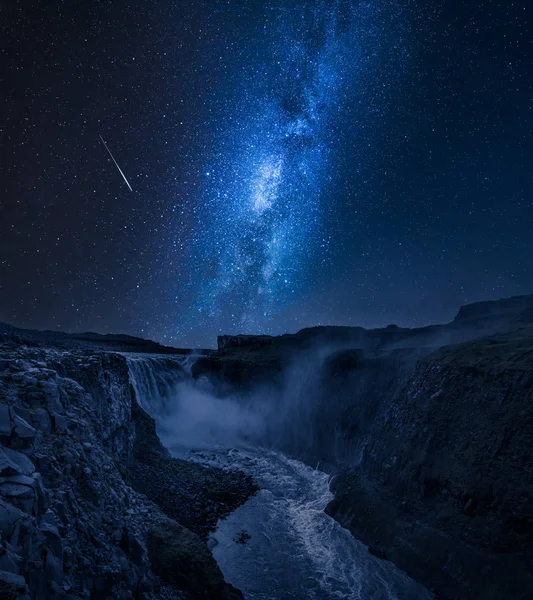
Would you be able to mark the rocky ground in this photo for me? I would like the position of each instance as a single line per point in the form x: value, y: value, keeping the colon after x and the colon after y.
x: 91, y: 505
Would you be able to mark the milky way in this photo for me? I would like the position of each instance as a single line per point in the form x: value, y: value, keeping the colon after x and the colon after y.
x: 356, y: 162
x: 267, y: 181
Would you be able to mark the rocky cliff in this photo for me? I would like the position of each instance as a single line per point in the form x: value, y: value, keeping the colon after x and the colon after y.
x: 429, y: 432
x: 91, y: 504
x: 443, y: 481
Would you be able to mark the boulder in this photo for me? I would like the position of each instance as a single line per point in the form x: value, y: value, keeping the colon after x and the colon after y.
x: 181, y: 559
x: 6, y: 423
x: 14, y: 463
x: 13, y: 587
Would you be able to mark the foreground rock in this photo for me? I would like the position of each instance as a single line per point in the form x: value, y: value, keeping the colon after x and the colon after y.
x: 73, y: 523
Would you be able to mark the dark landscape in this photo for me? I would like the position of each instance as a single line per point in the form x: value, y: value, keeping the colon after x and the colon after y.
x: 428, y: 434
x: 266, y: 300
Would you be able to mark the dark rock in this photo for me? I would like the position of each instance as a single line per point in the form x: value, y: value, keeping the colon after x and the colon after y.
x: 236, y: 341
x: 6, y: 422
x: 379, y: 552
x: 76, y: 529
x: 443, y: 474
x: 14, y: 463
x: 13, y: 587
x: 243, y: 537
x: 180, y: 558
x: 231, y: 593
x: 23, y: 429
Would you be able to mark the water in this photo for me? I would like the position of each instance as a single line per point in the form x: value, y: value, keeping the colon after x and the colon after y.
x: 294, y: 550
x: 155, y: 377
x: 280, y: 544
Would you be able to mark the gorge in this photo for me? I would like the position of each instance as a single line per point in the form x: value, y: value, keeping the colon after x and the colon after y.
x: 337, y: 462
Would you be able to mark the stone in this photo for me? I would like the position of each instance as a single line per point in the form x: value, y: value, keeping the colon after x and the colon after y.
x: 10, y: 517
x: 8, y: 559
x: 59, y: 422
x: 53, y: 538
x: 23, y: 429
x: 30, y: 380
x: 180, y: 558
x: 13, y: 587
x: 54, y: 567
x: 52, y: 395
x: 6, y: 422
x: 21, y: 479
x: 14, y: 463
x: 40, y: 420
x: 20, y: 495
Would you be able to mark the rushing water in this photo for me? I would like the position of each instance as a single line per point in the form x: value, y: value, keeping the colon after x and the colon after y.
x: 280, y: 544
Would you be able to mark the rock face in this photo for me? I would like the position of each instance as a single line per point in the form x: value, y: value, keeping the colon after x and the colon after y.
x: 75, y: 521
x: 443, y: 485
x: 192, y: 494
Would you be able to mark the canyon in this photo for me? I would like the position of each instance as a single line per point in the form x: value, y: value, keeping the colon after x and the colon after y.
x: 127, y: 467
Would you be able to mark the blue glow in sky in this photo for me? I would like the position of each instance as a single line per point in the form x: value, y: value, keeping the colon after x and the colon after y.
x: 274, y: 159
x: 348, y: 162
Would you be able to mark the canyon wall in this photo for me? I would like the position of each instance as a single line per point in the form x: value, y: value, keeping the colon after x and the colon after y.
x: 442, y: 482
x: 91, y: 505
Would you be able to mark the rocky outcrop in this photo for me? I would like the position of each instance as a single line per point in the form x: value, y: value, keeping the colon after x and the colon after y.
x: 192, y: 494
x: 176, y: 557
x: 500, y: 315
x: 472, y: 321
x: 74, y: 522
x: 443, y: 483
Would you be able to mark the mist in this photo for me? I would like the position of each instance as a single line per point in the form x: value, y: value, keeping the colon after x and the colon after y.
x: 196, y: 419
x: 297, y: 412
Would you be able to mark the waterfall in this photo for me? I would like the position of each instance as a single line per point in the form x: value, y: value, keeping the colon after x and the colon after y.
x: 280, y: 543
x: 155, y: 380
x: 188, y: 412
x: 296, y: 414
x: 320, y: 408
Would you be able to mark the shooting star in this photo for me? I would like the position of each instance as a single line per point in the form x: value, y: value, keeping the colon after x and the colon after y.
x: 113, y: 158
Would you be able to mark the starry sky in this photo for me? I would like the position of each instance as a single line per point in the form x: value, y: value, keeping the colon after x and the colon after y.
x: 359, y: 162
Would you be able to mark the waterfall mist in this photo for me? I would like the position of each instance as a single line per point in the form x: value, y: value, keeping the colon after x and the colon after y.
x: 197, y: 418
x: 298, y: 412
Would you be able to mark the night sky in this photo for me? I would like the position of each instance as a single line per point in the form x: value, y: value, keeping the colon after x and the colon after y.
x: 291, y: 163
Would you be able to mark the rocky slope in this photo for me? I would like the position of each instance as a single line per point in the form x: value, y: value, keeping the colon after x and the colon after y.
x: 91, y: 505
x: 443, y: 483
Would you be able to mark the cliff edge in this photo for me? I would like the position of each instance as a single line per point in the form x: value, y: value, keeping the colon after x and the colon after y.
x: 91, y: 505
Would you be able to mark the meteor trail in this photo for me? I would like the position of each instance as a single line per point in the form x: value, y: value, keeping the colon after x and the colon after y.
x: 113, y: 158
